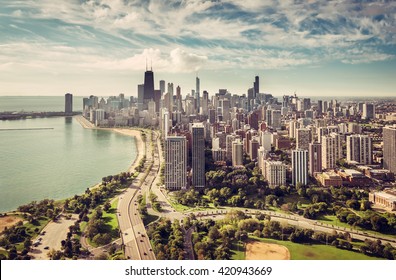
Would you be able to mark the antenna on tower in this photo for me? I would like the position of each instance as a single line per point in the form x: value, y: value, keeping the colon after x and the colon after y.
x: 146, y: 63
x: 151, y: 64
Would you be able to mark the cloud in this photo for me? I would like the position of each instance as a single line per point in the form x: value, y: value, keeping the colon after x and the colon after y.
x: 186, y: 62
x: 191, y: 34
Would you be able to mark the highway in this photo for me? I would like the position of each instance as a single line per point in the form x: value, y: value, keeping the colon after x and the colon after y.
x: 133, y: 233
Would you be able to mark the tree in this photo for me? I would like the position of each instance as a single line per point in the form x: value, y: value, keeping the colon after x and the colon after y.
x: 107, y: 206
x: 365, y: 205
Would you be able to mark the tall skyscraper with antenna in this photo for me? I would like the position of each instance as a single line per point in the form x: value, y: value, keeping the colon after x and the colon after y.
x: 256, y: 86
x: 197, y: 94
x: 148, y: 85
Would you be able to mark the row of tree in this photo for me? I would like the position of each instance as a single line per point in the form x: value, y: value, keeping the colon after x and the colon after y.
x: 167, y: 239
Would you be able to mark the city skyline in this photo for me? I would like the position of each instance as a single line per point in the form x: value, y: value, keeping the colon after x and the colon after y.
x: 314, y: 48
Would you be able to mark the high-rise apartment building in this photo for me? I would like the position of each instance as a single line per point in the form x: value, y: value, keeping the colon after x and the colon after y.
x: 331, y: 150
x: 140, y: 97
x: 237, y: 153
x: 253, y: 148
x: 274, y: 173
x: 229, y: 139
x: 276, y: 119
x: 359, y: 149
x: 162, y: 86
x: 256, y: 86
x: 198, y: 155
x: 198, y: 95
x: 299, y: 167
x: 368, y: 111
x: 315, y: 158
x: 303, y: 138
x: 68, y: 103
x: 175, y: 162
x: 389, y: 148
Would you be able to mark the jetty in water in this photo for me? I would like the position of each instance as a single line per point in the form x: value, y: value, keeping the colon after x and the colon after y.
x: 32, y: 115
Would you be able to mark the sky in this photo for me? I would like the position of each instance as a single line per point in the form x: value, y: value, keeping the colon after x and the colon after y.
x: 101, y: 47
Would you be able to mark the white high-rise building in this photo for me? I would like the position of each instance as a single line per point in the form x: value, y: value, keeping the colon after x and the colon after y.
x: 274, y: 173
x: 359, y: 149
x: 175, y: 162
x: 229, y: 139
x: 266, y: 139
x: 299, y: 167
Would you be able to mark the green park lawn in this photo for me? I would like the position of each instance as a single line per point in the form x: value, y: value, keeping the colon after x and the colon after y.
x: 111, y: 216
x: 310, y: 252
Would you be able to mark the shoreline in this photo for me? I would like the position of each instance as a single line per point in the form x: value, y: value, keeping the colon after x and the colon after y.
x: 136, y: 133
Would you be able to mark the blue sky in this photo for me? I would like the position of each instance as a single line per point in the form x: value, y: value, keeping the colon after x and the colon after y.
x: 314, y: 48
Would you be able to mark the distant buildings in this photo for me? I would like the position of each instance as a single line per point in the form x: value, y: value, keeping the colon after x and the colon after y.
x: 389, y: 148
x: 68, y: 103
x: 175, y: 162
x: 257, y: 125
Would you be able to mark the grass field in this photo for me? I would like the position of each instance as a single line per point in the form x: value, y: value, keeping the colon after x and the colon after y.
x: 308, y: 252
x: 111, y: 215
x: 238, y: 250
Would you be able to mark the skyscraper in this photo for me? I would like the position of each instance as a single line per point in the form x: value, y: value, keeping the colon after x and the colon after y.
x: 256, y: 86
x: 331, y: 150
x: 299, y: 167
x: 229, y: 140
x: 359, y: 149
x: 162, y: 86
x: 197, y: 93
x: 315, y: 158
x: 320, y: 106
x: 198, y: 155
x: 253, y: 148
x: 389, y: 148
x: 274, y: 172
x: 303, y: 138
x: 237, y: 153
x: 368, y: 111
x: 148, y: 86
x: 140, y: 97
x: 175, y: 162
x: 68, y: 103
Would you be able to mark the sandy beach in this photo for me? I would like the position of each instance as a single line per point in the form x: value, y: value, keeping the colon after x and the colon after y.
x: 139, y: 144
x: 125, y: 131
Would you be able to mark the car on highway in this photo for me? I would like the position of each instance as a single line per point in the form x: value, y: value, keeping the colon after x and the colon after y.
x: 46, y: 247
